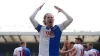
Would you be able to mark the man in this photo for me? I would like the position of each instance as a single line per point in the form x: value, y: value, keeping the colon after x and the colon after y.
x: 22, y: 50
x: 50, y: 34
x: 92, y: 51
x: 85, y: 50
x: 67, y: 45
x: 77, y: 48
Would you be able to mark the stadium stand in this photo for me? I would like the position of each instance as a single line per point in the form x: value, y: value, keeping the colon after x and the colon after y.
x: 10, y: 40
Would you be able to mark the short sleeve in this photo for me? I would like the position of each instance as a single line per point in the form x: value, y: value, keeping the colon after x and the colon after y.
x: 38, y: 27
x: 28, y: 52
x: 15, y: 52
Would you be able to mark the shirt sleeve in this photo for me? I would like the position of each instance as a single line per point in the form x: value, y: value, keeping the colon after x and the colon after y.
x: 75, y: 46
x: 28, y: 52
x: 36, y: 25
x: 15, y: 52
x: 67, y: 22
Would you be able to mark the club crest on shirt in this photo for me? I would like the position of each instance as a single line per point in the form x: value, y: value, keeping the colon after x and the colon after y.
x: 49, y: 34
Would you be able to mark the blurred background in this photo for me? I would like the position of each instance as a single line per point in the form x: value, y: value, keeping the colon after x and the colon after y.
x: 10, y: 40
x: 15, y: 25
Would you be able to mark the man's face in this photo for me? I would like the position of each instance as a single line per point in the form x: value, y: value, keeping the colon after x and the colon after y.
x: 71, y: 45
x: 25, y: 45
x: 85, y: 47
x: 49, y: 20
x: 88, y: 46
x: 76, y: 41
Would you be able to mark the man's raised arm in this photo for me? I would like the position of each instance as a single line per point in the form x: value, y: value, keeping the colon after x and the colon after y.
x: 66, y: 22
x: 32, y: 17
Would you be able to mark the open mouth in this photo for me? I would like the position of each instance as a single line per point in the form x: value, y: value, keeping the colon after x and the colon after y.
x: 50, y: 21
